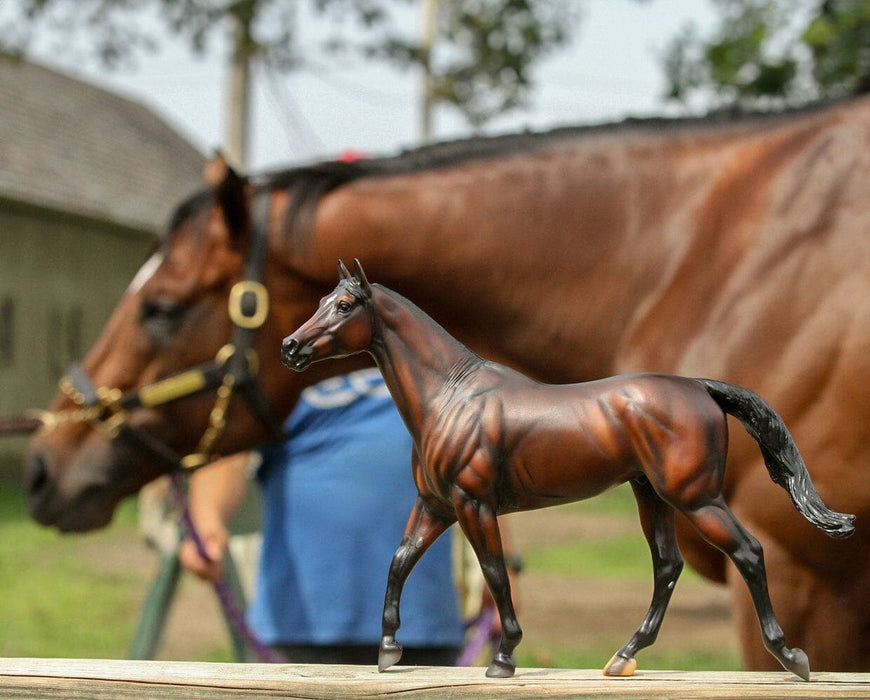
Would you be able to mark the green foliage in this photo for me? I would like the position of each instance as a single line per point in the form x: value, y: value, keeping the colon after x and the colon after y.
x: 839, y: 38
x: 774, y: 49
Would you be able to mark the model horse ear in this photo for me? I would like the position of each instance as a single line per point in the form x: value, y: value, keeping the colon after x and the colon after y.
x: 343, y: 272
x: 361, y: 277
x: 230, y: 192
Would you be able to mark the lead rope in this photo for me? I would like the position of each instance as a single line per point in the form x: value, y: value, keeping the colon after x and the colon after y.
x: 229, y: 605
x: 19, y: 425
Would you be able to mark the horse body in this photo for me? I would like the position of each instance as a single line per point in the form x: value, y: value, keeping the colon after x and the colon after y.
x: 496, y: 416
x: 734, y: 250
x: 739, y: 252
x: 488, y: 440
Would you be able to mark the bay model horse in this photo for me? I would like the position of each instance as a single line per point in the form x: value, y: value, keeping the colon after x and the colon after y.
x: 488, y: 440
x: 734, y: 248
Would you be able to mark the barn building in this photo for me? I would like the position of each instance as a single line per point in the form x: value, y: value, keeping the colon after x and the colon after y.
x: 87, y: 180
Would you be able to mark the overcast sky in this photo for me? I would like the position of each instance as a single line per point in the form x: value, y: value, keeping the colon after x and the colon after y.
x: 612, y: 69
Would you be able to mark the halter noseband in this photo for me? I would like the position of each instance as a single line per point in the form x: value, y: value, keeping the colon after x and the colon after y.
x: 235, y: 368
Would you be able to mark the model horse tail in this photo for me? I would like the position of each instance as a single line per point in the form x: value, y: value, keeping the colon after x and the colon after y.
x: 781, y: 456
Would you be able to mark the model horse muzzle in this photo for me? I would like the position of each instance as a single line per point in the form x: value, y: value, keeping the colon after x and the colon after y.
x: 295, y: 355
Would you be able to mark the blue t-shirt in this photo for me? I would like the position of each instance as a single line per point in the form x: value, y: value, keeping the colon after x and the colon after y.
x: 336, y: 498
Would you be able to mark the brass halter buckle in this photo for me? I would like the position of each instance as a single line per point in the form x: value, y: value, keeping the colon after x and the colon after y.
x: 107, y: 400
x: 238, y: 293
x: 217, y: 418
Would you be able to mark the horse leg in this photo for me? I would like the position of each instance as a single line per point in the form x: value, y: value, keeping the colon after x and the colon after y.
x: 422, y: 530
x: 657, y: 521
x: 718, y: 525
x: 479, y: 523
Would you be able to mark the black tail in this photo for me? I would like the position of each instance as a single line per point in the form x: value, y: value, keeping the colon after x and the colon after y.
x: 781, y: 456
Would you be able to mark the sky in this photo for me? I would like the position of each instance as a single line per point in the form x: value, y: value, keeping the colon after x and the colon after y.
x: 611, y: 70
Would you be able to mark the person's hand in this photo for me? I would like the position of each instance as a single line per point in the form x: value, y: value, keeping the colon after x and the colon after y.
x: 215, y: 539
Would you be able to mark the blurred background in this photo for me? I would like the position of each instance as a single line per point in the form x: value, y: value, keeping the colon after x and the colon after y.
x: 108, y: 110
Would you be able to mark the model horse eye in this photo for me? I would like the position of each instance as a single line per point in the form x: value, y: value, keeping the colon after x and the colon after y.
x: 344, y: 306
x: 161, y: 318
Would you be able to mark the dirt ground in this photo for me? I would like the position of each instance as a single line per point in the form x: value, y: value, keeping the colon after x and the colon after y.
x: 555, y: 610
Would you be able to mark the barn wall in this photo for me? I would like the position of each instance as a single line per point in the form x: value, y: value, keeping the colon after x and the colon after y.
x: 60, y: 277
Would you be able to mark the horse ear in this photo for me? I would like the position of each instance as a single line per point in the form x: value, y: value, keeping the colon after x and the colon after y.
x: 343, y: 273
x: 230, y: 193
x: 361, y: 276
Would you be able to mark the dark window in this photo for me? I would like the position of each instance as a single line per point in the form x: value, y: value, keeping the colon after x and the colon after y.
x: 74, y: 320
x: 7, y: 332
x: 54, y: 345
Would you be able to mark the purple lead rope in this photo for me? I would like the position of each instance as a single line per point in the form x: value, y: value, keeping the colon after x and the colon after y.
x: 483, y: 625
x: 231, y: 609
x: 483, y: 633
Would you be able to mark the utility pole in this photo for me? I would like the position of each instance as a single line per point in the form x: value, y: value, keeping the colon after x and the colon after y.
x: 427, y: 41
x: 238, y: 105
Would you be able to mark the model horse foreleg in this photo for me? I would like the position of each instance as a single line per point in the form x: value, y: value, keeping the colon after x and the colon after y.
x: 719, y: 526
x: 657, y: 521
x: 479, y: 523
x: 422, y: 530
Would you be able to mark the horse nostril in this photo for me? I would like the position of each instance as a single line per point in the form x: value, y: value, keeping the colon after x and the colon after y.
x: 36, y: 477
x: 290, y: 346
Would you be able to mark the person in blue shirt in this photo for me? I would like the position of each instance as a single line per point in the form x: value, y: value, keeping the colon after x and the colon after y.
x: 336, y: 496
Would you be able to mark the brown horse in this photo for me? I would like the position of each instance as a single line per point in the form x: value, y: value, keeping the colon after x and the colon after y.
x: 735, y: 249
x: 488, y: 440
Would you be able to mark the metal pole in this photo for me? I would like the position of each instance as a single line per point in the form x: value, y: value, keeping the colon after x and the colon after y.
x: 427, y: 41
x: 238, y: 106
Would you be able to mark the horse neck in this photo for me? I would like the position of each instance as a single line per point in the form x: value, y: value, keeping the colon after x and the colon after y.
x: 415, y: 355
x: 467, y: 240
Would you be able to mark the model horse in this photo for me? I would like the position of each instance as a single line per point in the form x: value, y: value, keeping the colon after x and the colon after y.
x: 488, y: 440
x: 732, y: 246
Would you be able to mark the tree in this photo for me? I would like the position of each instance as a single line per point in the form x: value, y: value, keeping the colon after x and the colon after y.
x: 774, y: 50
x: 478, y: 58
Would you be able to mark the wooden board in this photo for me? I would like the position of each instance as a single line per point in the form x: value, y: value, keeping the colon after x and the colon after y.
x: 88, y: 678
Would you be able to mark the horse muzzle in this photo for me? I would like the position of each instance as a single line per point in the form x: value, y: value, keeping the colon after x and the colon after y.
x: 294, y: 355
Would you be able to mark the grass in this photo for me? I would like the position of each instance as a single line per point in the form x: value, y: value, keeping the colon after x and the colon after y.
x: 624, y: 556
x: 598, y: 656
x: 62, y: 600
x: 54, y: 606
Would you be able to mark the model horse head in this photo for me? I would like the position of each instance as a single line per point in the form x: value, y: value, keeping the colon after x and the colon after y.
x: 343, y: 324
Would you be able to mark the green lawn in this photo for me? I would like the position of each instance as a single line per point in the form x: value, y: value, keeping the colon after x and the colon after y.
x: 60, y: 599
x: 52, y: 604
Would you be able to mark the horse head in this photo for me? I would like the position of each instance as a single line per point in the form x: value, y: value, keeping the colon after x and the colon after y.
x: 191, y: 335
x: 342, y: 325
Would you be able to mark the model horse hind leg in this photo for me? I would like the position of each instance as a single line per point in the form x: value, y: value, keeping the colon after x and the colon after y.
x: 422, y: 530
x: 718, y: 526
x: 657, y: 521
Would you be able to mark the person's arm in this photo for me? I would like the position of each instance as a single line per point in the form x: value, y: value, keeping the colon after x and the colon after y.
x: 216, y: 493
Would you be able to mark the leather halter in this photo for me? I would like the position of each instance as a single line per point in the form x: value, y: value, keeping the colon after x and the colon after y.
x: 234, y: 369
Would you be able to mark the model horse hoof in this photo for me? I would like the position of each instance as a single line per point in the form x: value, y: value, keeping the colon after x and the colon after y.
x: 797, y: 662
x: 389, y: 654
x: 501, y: 668
x: 620, y: 666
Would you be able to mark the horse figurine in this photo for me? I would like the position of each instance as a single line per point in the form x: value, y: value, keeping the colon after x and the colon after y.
x: 489, y: 440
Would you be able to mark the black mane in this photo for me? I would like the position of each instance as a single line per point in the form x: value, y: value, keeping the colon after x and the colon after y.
x: 308, y: 183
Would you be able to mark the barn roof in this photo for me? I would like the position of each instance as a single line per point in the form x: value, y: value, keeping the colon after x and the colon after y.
x: 68, y: 145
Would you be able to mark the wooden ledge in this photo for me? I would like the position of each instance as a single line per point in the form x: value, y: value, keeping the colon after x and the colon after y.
x: 89, y: 678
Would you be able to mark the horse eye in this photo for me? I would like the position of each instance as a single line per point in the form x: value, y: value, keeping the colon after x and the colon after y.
x: 161, y: 318
x: 343, y: 307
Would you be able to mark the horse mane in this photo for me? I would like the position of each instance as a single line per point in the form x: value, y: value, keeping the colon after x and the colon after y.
x: 307, y: 184
x: 194, y: 204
